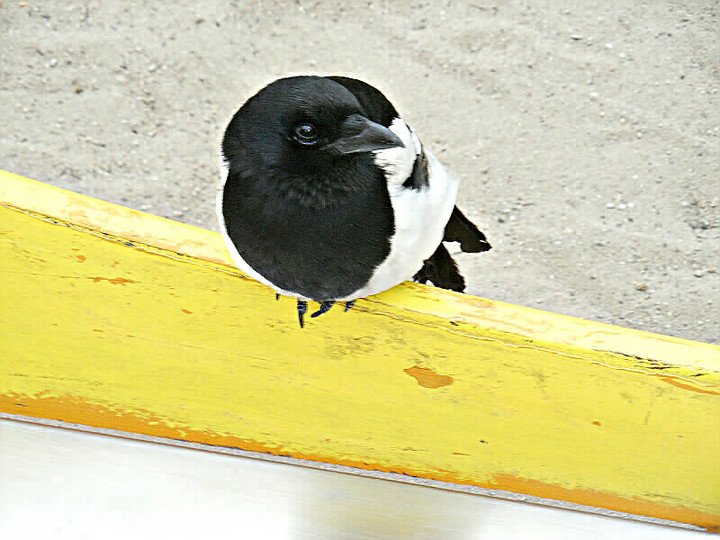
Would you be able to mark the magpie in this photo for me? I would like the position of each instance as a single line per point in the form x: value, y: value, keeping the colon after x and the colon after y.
x: 328, y: 195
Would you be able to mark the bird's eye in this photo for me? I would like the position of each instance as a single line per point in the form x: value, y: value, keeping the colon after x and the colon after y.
x: 306, y: 134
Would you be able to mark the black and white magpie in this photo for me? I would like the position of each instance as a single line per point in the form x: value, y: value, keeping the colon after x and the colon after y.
x: 329, y: 196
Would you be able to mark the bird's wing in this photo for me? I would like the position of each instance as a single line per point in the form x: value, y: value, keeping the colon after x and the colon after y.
x: 461, y: 229
x: 442, y: 271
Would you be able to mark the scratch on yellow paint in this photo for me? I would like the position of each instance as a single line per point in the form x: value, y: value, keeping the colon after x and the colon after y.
x: 114, y: 281
x: 428, y: 378
x: 688, y: 386
x: 154, y: 332
x: 680, y: 382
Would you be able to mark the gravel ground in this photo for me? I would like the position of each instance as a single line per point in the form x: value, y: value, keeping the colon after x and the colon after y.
x: 587, y: 136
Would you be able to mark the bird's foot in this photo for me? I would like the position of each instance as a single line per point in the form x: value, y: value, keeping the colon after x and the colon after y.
x: 324, y: 308
x: 302, y: 309
x: 277, y: 296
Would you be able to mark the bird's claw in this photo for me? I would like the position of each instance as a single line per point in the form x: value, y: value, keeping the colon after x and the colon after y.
x: 324, y: 308
x: 302, y: 309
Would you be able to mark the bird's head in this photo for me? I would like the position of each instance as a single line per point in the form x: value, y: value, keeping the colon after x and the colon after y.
x: 298, y: 126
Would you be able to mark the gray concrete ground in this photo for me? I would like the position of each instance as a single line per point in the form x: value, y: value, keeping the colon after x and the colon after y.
x: 587, y: 135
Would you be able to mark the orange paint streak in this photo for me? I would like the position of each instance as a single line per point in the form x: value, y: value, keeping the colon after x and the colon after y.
x: 77, y: 410
x: 114, y: 281
x: 612, y: 501
x: 670, y: 379
x: 428, y: 378
x: 185, y: 311
x: 81, y: 258
x: 675, y: 382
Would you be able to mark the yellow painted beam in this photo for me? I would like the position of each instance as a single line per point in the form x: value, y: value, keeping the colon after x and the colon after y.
x: 114, y: 318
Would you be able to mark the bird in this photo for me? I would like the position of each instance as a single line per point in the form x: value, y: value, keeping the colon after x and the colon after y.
x: 329, y: 196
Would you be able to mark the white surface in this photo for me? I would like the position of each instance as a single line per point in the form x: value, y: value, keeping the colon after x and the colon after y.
x: 56, y: 483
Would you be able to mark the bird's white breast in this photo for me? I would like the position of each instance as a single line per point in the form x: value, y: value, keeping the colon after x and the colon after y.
x: 420, y: 214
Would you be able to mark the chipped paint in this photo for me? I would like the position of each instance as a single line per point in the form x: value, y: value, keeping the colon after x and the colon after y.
x: 427, y: 378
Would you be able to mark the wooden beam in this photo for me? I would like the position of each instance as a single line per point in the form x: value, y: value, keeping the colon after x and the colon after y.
x: 117, y: 319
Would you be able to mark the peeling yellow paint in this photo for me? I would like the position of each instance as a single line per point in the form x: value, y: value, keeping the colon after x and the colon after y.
x: 156, y: 333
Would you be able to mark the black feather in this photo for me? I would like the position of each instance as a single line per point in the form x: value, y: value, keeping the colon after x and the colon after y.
x: 376, y: 105
x: 461, y: 229
x: 442, y: 271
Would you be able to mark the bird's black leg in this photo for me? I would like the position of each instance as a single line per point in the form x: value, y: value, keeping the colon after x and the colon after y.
x: 324, y: 308
x: 349, y: 304
x: 302, y: 309
x: 277, y: 296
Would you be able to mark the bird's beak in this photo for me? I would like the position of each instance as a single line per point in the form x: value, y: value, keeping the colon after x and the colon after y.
x: 358, y: 134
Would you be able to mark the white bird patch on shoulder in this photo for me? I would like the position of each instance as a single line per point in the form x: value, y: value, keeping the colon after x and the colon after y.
x: 420, y: 214
x: 398, y: 162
